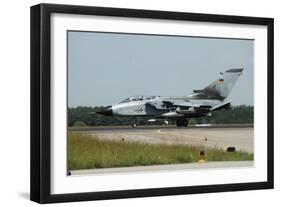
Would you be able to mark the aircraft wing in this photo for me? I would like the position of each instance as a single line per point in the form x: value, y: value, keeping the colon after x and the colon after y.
x: 175, y: 103
x: 154, y: 105
x: 182, y: 103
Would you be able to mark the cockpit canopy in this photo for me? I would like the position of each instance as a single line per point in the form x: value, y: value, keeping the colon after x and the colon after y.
x: 138, y: 98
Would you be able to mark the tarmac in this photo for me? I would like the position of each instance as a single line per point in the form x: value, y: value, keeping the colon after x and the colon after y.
x: 173, y: 167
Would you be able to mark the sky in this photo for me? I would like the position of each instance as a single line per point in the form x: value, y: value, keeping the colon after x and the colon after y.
x: 106, y: 68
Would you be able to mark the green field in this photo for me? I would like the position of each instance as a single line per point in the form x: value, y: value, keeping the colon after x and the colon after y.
x: 88, y: 152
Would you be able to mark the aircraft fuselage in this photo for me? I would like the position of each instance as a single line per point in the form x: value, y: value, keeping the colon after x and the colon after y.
x: 200, y: 103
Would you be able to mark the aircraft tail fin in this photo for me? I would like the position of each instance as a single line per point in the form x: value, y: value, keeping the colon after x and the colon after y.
x: 220, y: 88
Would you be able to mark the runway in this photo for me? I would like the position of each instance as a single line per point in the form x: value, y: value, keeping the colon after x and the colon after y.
x: 151, y: 127
x: 173, y: 167
x: 242, y: 138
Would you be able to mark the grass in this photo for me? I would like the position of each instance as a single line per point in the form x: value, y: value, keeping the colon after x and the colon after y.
x: 88, y: 152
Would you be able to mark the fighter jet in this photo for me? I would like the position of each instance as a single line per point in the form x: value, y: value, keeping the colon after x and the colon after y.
x: 199, y: 104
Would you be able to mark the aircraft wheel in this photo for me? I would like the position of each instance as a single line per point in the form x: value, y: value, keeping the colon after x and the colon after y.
x: 179, y: 123
x: 134, y: 125
x: 185, y: 123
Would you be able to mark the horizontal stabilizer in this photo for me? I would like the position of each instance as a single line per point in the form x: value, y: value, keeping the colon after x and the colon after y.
x: 225, y: 104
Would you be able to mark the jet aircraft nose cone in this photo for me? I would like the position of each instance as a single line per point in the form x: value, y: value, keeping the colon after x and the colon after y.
x: 106, y: 111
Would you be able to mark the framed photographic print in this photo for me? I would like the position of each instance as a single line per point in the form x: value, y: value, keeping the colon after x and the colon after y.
x: 133, y: 103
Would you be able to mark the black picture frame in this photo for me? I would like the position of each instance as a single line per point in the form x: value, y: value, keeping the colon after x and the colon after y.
x: 41, y: 96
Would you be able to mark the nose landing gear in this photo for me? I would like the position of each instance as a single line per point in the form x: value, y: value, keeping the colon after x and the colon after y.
x: 182, y: 123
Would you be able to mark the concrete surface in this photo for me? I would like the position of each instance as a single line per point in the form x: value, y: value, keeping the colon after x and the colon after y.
x: 240, y: 138
x: 173, y: 167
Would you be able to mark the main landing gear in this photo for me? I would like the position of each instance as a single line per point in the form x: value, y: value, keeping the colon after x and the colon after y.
x: 134, y: 125
x: 182, y: 123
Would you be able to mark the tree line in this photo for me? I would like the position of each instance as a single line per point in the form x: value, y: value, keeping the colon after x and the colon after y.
x: 83, y: 116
